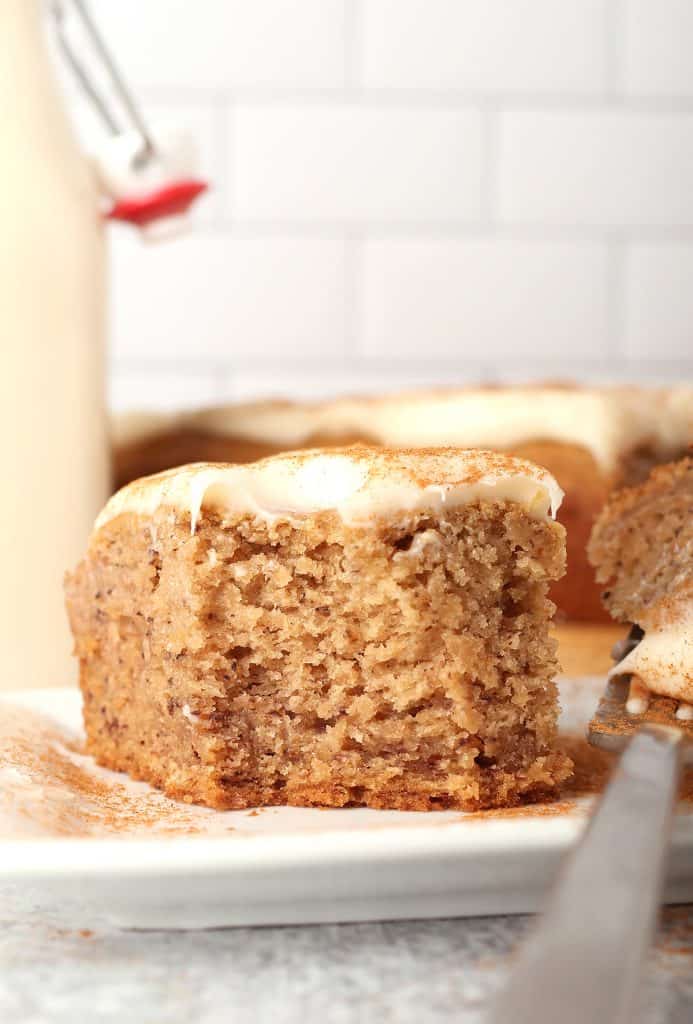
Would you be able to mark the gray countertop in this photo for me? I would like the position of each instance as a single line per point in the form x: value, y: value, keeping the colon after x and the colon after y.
x: 405, y: 971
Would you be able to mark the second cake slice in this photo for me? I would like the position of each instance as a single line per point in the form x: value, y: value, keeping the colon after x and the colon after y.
x: 330, y: 627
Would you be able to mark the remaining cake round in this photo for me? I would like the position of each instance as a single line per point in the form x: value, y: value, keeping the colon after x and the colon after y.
x: 642, y: 549
x: 590, y: 438
x: 329, y: 627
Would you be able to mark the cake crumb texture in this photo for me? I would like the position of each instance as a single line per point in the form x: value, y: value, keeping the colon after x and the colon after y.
x: 642, y: 546
x: 405, y: 663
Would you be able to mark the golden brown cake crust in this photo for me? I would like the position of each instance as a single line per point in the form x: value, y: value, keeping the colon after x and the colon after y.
x: 403, y: 664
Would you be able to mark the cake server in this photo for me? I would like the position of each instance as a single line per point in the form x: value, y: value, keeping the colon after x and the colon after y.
x: 584, y: 960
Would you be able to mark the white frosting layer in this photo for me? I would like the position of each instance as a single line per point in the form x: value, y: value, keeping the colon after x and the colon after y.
x: 663, y: 660
x: 357, y: 483
x: 607, y: 422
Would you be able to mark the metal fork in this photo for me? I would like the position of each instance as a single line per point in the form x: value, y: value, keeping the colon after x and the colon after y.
x: 584, y: 960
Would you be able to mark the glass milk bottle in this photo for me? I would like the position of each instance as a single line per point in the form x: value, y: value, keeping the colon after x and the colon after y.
x: 53, y: 439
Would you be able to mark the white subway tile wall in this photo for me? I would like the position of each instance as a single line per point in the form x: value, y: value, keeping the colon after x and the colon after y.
x: 202, y: 299
x: 657, y: 51
x: 659, y: 300
x: 410, y: 192
x: 613, y: 168
x: 218, y: 45
x: 464, y: 299
x: 485, y: 46
x: 355, y: 164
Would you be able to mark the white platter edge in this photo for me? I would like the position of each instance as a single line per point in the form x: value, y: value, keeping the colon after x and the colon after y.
x: 502, y: 866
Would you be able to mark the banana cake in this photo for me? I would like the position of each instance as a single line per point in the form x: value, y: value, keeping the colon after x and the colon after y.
x: 331, y: 627
x: 642, y: 548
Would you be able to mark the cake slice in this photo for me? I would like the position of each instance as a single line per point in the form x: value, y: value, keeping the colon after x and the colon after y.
x: 642, y: 549
x: 329, y: 627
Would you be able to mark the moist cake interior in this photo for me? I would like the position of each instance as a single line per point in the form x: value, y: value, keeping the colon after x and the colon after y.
x: 642, y: 545
x: 402, y: 663
x: 642, y: 548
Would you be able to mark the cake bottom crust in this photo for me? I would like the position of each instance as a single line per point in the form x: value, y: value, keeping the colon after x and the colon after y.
x: 488, y: 790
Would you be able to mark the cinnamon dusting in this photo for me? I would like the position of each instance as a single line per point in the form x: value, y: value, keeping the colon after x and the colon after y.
x: 591, y: 771
x: 676, y: 931
x: 49, y: 787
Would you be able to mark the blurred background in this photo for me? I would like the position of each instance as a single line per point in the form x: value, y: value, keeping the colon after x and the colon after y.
x: 408, y: 192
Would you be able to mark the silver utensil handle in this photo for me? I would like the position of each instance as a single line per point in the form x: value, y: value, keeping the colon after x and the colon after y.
x: 108, y: 63
x: 583, y: 962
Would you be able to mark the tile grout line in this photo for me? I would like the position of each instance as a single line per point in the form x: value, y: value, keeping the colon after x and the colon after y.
x: 353, y: 46
x: 353, y: 297
x: 611, y: 97
x: 223, y: 379
x: 616, y: 299
x: 209, y: 364
x: 367, y: 376
x: 223, y: 158
x: 615, y: 26
x: 506, y: 231
x: 230, y: 160
x: 490, y: 167
x: 341, y: 361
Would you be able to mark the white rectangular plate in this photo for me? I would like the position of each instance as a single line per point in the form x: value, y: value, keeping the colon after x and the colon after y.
x: 94, y: 845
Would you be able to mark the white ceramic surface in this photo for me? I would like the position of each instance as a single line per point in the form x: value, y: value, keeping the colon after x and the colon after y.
x: 292, y: 865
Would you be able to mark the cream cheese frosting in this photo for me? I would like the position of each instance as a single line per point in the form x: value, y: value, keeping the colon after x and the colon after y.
x: 607, y: 422
x: 357, y: 483
x: 663, y: 660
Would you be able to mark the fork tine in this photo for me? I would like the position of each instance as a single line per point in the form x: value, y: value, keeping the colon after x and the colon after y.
x: 612, y: 726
